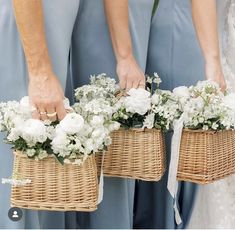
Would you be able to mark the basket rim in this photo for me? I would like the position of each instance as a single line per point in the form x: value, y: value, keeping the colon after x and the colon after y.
x: 21, y: 154
x: 139, y: 130
x: 206, y: 131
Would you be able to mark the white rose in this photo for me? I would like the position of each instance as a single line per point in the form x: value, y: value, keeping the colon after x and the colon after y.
x: 34, y: 130
x: 72, y: 123
x: 181, y: 91
x: 229, y: 101
x: 60, y: 143
x: 138, y: 101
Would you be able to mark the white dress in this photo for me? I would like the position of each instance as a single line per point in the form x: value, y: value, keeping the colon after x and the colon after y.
x: 215, y: 203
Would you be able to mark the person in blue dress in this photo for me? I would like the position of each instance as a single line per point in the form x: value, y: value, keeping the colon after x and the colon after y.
x: 45, y: 64
x: 111, y: 37
x: 177, y: 56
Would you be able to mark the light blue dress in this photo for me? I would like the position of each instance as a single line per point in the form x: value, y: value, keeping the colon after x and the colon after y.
x: 92, y: 53
x: 59, y: 20
x: 175, y: 54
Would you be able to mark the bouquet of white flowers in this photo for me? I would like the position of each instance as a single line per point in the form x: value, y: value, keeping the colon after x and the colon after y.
x: 206, y: 107
x: 151, y: 108
x: 73, y: 141
x: 137, y: 149
x: 208, y: 138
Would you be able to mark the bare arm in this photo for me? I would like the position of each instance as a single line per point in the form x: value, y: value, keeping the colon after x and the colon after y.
x: 45, y: 92
x: 129, y: 73
x: 205, y: 21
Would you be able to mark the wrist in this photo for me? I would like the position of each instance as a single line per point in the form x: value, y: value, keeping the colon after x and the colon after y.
x: 39, y: 64
x: 212, y: 60
x: 41, y: 75
x: 41, y: 71
x: 124, y: 54
x: 129, y: 57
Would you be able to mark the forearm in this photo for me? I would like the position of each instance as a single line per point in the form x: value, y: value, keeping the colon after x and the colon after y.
x: 30, y: 23
x: 118, y: 22
x: 205, y: 21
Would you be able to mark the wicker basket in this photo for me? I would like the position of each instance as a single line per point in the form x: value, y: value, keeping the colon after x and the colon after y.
x: 54, y: 186
x: 206, y: 156
x: 135, y: 154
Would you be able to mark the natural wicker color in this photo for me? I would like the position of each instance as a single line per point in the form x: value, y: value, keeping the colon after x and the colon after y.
x: 54, y: 186
x: 135, y: 154
x: 206, y: 156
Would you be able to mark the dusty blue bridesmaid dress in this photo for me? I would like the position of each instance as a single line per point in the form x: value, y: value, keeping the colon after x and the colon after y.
x: 175, y: 54
x: 92, y: 53
x: 59, y: 21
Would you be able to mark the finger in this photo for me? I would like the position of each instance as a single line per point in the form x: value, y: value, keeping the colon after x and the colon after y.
x: 42, y: 112
x: 129, y: 85
x: 223, y: 86
x: 135, y: 84
x: 142, y: 84
x: 35, y: 114
x: 34, y: 111
x: 122, y: 83
x: 61, y: 112
x: 51, y: 113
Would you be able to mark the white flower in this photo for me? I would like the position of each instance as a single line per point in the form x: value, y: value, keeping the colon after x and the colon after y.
x: 25, y: 101
x: 214, y: 126
x: 89, y: 146
x: 149, y: 121
x: 30, y: 152
x: 14, y: 134
x: 33, y: 131
x: 72, y: 123
x: 157, y: 79
x: 138, y: 101
x: 97, y: 121
x: 67, y: 161
x: 182, y: 91
x: 42, y: 154
x: 229, y: 101
x: 60, y: 144
x: 156, y: 99
x: 78, y: 162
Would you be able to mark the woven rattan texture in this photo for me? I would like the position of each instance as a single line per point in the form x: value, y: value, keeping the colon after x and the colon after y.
x: 54, y: 186
x: 135, y: 154
x: 206, y: 156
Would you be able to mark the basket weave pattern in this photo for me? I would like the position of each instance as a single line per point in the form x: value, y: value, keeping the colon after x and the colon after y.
x: 55, y: 186
x: 135, y: 154
x: 206, y: 156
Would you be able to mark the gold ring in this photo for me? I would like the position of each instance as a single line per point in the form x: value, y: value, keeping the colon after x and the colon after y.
x: 51, y: 114
x: 42, y: 113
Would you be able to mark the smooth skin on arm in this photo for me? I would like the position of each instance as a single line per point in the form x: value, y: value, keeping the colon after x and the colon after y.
x: 129, y: 73
x: 45, y: 91
x: 205, y: 21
